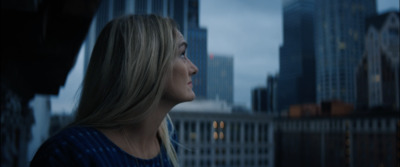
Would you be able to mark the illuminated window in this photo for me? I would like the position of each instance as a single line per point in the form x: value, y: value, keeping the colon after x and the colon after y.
x: 377, y: 78
x: 215, y: 124
x: 221, y: 124
x: 342, y: 45
x: 215, y: 135
x: 193, y: 136
x: 221, y: 135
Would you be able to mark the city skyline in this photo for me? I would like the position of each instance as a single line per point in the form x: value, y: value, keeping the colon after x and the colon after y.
x: 36, y: 83
x: 261, y: 55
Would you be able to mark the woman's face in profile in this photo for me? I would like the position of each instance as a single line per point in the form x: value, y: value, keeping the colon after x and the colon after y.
x: 179, y: 85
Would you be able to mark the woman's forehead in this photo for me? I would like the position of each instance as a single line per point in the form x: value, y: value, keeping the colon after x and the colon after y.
x: 180, y: 40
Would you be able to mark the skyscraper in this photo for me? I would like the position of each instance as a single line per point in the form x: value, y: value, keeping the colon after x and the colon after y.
x: 259, y: 99
x: 297, y: 60
x: 378, y: 73
x: 220, y: 78
x: 197, y: 47
x: 339, y: 41
x: 272, y: 93
x: 180, y: 14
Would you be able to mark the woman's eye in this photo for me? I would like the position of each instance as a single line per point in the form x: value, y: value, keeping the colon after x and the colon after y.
x: 183, y: 55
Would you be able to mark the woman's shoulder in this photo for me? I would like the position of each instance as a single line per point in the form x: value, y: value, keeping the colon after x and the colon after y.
x: 70, y: 146
x: 77, y: 136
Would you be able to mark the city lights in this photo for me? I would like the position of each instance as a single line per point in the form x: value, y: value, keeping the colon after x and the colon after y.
x: 215, y: 135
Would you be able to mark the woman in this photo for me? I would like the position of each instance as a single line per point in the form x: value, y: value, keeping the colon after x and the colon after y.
x: 137, y: 72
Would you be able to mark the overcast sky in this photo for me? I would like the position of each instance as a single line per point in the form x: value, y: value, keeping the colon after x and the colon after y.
x: 248, y: 30
x: 251, y: 32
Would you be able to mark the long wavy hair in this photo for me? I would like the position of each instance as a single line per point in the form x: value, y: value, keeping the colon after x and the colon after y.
x: 125, y: 79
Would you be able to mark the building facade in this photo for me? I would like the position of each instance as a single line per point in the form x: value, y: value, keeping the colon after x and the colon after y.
x: 297, y: 60
x: 259, y: 99
x: 224, y: 139
x: 197, y: 53
x: 341, y: 141
x: 378, y: 72
x: 197, y: 48
x: 220, y: 78
x: 272, y: 93
x: 339, y: 44
x: 16, y: 122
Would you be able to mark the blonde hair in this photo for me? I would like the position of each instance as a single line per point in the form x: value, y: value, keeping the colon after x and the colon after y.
x: 126, y: 74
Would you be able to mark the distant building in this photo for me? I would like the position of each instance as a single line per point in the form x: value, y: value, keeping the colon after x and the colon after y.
x: 297, y: 59
x: 378, y: 72
x: 16, y: 122
x: 240, y: 108
x: 362, y: 85
x: 259, y: 99
x: 339, y: 45
x: 336, y: 108
x: 220, y: 78
x: 179, y: 12
x: 197, y: 47
x: 193, y: 8
x: 203, y: 106
x: 272, y: 93
x: 367, y: 140
x: 197, y: 53
x: 221, y: 139
x: 306, y: 110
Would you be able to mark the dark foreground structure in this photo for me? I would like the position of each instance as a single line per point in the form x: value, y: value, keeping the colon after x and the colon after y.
x: 348, y: 141
x: 40, y: 40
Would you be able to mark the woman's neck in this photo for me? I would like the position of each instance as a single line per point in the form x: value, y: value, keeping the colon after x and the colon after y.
x: 140, y: 140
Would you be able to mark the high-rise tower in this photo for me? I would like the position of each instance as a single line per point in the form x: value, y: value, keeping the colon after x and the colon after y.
x: 220, y: 78
x: 297, y: 61
x: 378, y: 73
x: 339, y: 41
x: 197, y: 48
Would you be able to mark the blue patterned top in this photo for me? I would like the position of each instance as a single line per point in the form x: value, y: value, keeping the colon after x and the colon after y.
x: 85, y: 146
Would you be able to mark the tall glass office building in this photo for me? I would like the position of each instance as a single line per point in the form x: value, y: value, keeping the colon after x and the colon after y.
x: 197, y: 52
x: 197, y: 48
x: 297, y: 60
x: 378, y: 72
x: 340, y: 29
x: 220, y: 78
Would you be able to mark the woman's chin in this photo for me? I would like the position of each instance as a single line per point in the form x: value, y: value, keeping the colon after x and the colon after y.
x: 190, y: 98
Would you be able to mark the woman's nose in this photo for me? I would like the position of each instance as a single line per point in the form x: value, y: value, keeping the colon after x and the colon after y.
x: 193, y: 68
